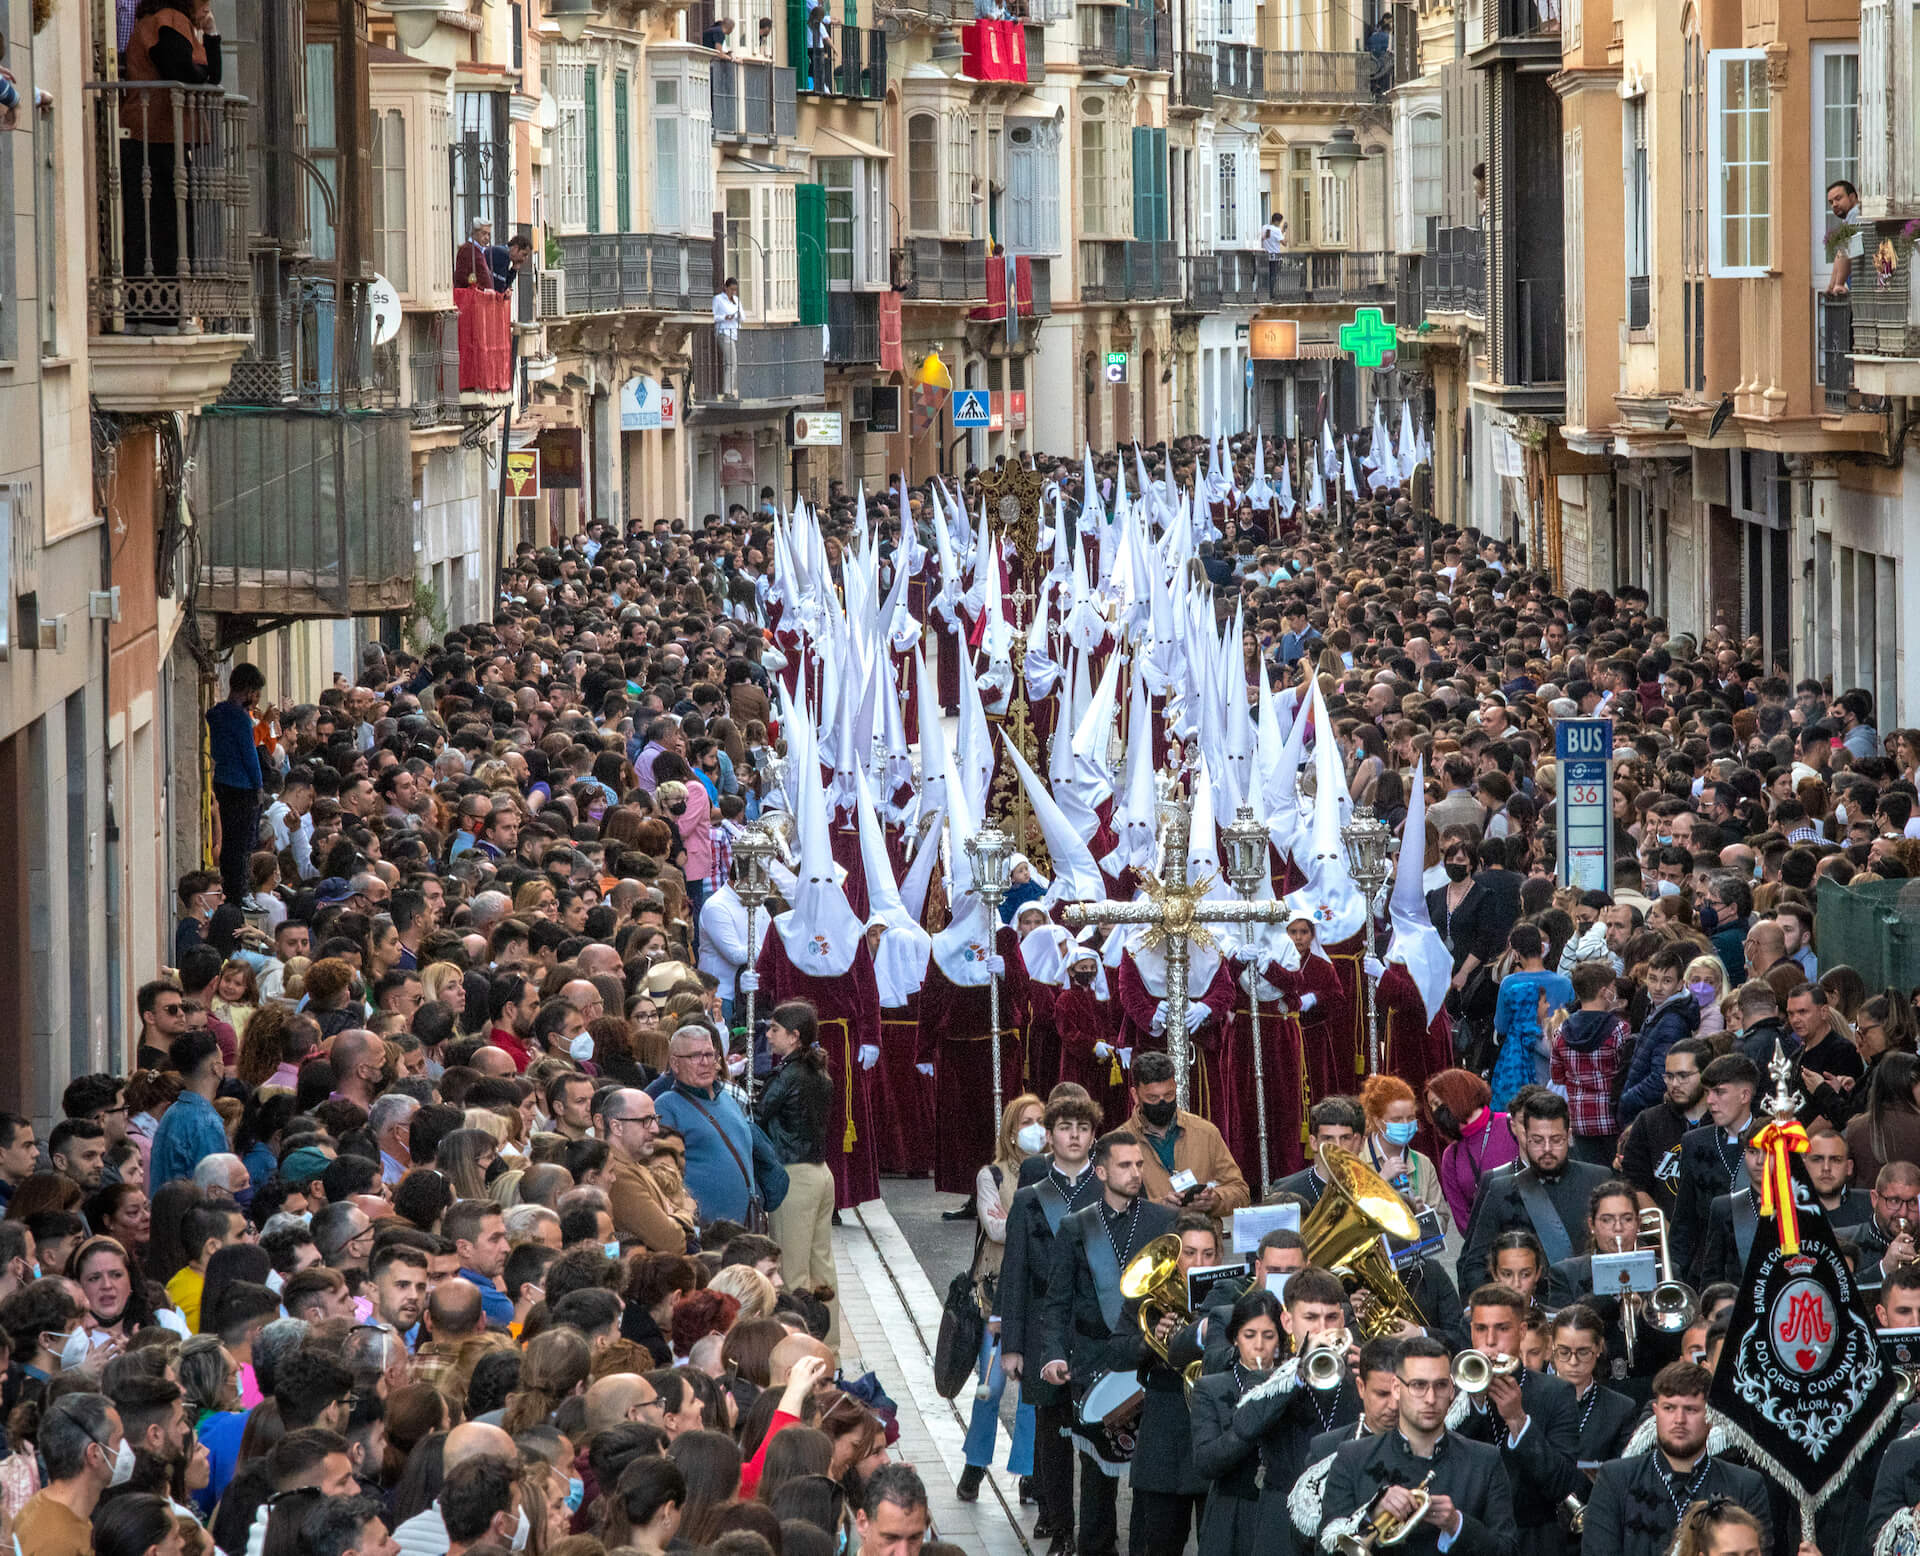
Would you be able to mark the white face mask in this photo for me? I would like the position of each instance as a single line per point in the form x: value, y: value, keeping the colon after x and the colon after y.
x: 521, y: 1531
x: 75, y: 1347
x: 123, y: 1463
x: 582, y: 1047
x: 1033, y: 1138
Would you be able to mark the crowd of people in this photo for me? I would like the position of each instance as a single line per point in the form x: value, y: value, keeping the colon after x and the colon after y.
x: 453, y: 1203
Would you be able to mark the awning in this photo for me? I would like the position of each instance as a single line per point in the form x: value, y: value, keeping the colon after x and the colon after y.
x: 836, y: 143
x: 1033, y: 106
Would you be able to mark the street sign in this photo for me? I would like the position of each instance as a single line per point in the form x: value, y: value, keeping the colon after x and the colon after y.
x: 1583, y: 749
x: 1116, y: 367
x: 1369, y: 337
x: 523, y: 472
x: 1274, y: 340
x: 640, y: 405
x: 970, y: 408
x: 1249, y: 372
x: 817, y: 429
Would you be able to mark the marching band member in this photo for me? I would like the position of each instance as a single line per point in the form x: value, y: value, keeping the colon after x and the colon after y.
x: 1579, y: 1351
x: 1379, y: 1412
x: 1065, y: 1182
x: 1638, y: 1501
x: 1224, y: 1457
x: 1080, y: 1330
x: 1332, y: 1121
x: 1168, y: 1490
x: 1519, y: 1265
x: 1896, y: 1485
x: 1711, y: 1163
x: 1650, y: 1145
x: 1547, y: 1196
x: 1469, y: 1503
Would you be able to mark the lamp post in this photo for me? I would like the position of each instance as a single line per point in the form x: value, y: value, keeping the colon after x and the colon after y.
x: 753, y: 851
x: 1369, y: 845
x: 990, y: 851
x: 1246, y: 839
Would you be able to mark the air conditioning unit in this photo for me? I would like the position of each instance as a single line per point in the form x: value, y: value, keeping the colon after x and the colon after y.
x: 553, y: 294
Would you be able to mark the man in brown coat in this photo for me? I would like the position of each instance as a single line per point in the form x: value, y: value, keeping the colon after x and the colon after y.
x: 1178, y: 1141
x: 641, y: 1207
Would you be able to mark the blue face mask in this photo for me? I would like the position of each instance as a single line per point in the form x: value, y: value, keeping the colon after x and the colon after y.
x: 1708, y: 917
x: 243, y: 1197
x: 1401, y: 1131
x: 576, y: 1493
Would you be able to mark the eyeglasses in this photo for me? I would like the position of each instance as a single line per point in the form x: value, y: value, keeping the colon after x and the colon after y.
x: 1575, y: 1353
x: 704, y: 1056
x: 645, y: 1120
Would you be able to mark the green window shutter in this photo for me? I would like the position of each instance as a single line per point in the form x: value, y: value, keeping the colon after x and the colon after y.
x: 1143, y: 183
x: 810, y: 233
x: 622, y: 153
x: 593, y: 148
x: 797, y: 34
x: 1161, y: 222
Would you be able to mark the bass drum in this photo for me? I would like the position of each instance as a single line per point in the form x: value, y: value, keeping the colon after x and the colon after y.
x: 1107, y: 1420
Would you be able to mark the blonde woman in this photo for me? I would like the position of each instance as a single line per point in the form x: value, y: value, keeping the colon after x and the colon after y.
x: 1706, y: 979
x: 747, y: 1286
x: 538, y: 899
x: 446, y: 984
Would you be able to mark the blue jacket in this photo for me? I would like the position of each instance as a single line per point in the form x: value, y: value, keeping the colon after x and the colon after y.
x: 1516, y: 1024
x: 1646, y: 1082
x: 190, y: 1132
x: 715, y: 1177
x: 236, y: 760
x: 495, y: 1304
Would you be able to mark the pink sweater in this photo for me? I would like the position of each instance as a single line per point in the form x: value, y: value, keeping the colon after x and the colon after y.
x: 1487, y: 1143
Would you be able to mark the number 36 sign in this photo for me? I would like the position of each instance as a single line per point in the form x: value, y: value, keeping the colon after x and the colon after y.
x: 1583, y: 749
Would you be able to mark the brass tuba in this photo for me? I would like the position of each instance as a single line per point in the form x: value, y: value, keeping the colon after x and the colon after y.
x: 1342, y: 1233
x: 1152, y: 1278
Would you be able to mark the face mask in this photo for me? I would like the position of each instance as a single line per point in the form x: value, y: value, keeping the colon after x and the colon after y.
x: 1667, y: 889
x: 521, y: 1531
x: 1445, y: 1122
x: 582, y: 1047
x: 1400, y: 1131
x: 123, y: 1463
x: 1709, y: 917
x: 576, y: 1493
x: 1457, y: 870
x: 244, y: 1197
x: 611, y: 1250
x: 74, y: 1347
x: 1703, y: 992
x: 1158, y: 1114
x: 1032, y: 1138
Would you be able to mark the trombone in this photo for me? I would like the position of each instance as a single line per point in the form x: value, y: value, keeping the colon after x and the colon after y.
x: 1671, y: 1306
x: 1474, y: 1371
x: 1380, y: 1528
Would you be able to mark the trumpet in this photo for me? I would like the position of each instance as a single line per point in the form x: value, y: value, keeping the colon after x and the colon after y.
x: 1381, y: 1528
x: 1474, y: 1371
x: 1576, y: 1513
x: 1323, y: 1365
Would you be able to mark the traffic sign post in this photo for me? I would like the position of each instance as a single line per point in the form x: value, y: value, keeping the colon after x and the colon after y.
x: 971, y: 408
x: 1583, y: 751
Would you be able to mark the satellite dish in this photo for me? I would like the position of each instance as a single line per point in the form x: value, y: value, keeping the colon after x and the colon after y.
x: 384, y: 302
x: 548, y: 117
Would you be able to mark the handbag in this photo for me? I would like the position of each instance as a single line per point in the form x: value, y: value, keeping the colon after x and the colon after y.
x: 956, y: 1352
x: 756, y: 1206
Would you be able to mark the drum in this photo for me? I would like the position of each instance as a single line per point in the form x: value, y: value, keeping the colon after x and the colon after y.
x: 1107, y: 1420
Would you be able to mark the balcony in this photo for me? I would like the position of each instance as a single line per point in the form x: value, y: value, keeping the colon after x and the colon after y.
x: 1131, y: 270
x: 170, y: 298
x: 1318, y: 76
x: 485, y: 336
x: 779, y: 365
x: 853, y: 328
x: 752, y: 100
x: 304, y: 515
x: 1639, y: 302
x: 1332, y: 276
x: 1410, y: 291
x: 312, y: 345
x: 1239, y: 71
x: 942, y: 270
x: 1835, y: 344
x: 1196, y: 80
x: 937, y: 14
x: 1520, y: 32
x: 1032, y: 290
x: 859, y: 73
x: 1457, y: 273
x: 1122, y: 38
x: 631, y: 271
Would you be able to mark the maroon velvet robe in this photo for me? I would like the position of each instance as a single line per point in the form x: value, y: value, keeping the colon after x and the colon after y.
x: 956, y: 1039
x: 1411, y: 1047
x: 1325, y: 1030
x: 1082, y: 1019
x: 1208, y: 1094
x: 1286, y: 1104
x: 849, y: 1010
x: 902, y: 1096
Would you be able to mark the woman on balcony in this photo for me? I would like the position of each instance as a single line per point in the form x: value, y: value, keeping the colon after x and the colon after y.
x: 168, y: 44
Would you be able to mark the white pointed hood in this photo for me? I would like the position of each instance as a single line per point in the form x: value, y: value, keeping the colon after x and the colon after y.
x: 1329, y: 896
x: 1076, y: 878
x: 1136, y: 819
x: 1416, y: 944
x: 913, y: 890
x: 820, y: 931
x: 962, y: 948
x: 900, y: 960
x: 1049, y: 952
x: 934, y: 764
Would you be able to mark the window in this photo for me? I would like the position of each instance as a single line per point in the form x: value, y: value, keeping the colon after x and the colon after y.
x: 622, y: 152
x: 668, y: 215
x: 1300, y: 233
x: 837, y: 177
x: 389, y: 157
x: 1333, y: 209
x: 1739, y: 228
x: 923, y: 173
x: 1836, y: 136
x: 1150, y: 185
x: 959, y: 174
x: 1093, y: 167
x: 740, y: 260
x: 874, y: 226
x: 592, y: 93
x: 1639, y: 218
x: 1033, y: 187
x: 782, y: 245
x: 323, y: 146
x: 1425, y: 175
x: 1693, y: 205
x: 1227, y: 233
x: 569, y: 93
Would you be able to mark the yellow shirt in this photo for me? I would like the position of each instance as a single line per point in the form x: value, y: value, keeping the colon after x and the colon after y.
x: 185, y: 1288
x: 50, y: 1528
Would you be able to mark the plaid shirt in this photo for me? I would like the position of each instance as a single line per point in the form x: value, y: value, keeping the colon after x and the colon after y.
x: 723, y: 835
x: 1585, y: 1078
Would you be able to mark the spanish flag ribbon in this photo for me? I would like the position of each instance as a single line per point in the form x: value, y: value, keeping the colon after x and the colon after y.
x: 1781, y: 1140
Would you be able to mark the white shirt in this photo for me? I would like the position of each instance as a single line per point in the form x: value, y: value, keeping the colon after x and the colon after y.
x: 1273, y: 238
x: 726, y: 316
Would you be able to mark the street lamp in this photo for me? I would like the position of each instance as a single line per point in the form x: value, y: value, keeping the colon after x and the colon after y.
x: 572, y: 17
x: 1369, y: 845
x: 990, y: 852
x: 1246, y: 839
x: 753, y: 851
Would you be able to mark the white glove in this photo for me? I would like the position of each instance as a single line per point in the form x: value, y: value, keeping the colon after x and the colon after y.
x: 1126, y: 1058
x: 1308, y: 1001
x: 1159, y: 1022
x: 1103, y: 1050
x: 1198, y: 1016
x: 1373, y: 967
x: 925, y: 1069
x: 997, y: 964
x: 869, y: 1055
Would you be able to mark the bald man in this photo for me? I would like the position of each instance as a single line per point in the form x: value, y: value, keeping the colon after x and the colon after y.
x: 788, y: 1352
x: 427, y: 1530
x: 619, y: 1397
x: 496, y: 1062
x: 585, y: 998
x: 359, y: 1062
x: 640, y: 1204
x: 599, y: 961
x: 453, y: 1311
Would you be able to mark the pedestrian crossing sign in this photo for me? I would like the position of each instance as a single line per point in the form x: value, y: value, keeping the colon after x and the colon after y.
x: 970, y: 408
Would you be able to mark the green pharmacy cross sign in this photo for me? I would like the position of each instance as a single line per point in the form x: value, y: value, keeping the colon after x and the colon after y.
x: 1369, y: 337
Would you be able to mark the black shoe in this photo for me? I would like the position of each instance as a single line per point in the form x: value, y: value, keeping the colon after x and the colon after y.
x: 1062, y: 1545
x: 969, y: 1488
x: 966, y: 1212
x: 1026, y: 1492
x: 1042, y: 1527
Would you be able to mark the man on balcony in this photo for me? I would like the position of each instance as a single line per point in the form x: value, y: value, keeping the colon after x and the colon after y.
x: 1844, y: 203
x: 471, y: 266
x: 1273, y: 243
x: 507, y: 263
x: 726, y: 337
